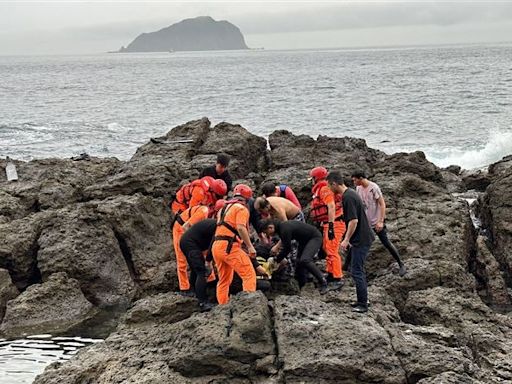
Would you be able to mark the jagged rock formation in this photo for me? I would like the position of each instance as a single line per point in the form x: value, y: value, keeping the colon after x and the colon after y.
x: 197, y: 34
x: 105, y: 232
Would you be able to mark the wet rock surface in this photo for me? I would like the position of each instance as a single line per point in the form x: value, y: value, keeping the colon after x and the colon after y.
x: 102, y: 228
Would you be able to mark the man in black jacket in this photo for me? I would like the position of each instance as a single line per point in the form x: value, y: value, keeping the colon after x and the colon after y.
x: 219, y: 170
x: 310, y: 241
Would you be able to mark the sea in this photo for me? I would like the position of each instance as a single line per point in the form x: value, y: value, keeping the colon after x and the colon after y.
x: 452, y: 102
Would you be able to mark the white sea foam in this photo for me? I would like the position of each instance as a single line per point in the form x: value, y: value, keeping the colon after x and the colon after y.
x: 498, y: 145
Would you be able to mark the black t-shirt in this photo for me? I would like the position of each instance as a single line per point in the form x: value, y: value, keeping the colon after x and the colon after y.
x: 254, y: 216
x: 210, y: 171
x: 294, y: 230
x: 353, y: 208
x: 199, y: 236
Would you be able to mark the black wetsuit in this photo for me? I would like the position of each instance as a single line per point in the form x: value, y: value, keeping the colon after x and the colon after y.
x: 211, y: 171
x: 310, y: 241
x: 193, y: 243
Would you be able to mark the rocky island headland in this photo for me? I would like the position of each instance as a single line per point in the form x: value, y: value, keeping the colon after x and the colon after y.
x: 201, y: 33
x: 85, y: 249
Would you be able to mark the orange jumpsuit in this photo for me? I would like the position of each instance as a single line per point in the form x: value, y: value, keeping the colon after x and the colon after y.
x: 191, y: 215
x: 331, y: 247
x: 229, y: 259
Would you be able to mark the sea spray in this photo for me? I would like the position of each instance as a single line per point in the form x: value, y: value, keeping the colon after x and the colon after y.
x: 497, y: 146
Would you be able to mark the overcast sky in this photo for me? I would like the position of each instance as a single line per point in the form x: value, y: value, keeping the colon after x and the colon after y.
x: 69, y: 27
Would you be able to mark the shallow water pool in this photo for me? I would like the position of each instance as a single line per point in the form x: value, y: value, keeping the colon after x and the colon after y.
x: 23, y: 359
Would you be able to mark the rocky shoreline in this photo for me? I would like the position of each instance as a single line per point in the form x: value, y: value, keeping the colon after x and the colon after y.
x: 85, y: 243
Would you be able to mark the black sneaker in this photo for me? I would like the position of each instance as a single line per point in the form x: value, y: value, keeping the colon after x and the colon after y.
x: 323, y: 289
x: 402, y: 271
x: 205, y: 307
x: 188, y: 293
x: 360, y: 309
x: 357, y: 304
x: 336, y: 285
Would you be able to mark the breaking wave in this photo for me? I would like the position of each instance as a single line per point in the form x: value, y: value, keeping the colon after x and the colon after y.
x: 498, y: 145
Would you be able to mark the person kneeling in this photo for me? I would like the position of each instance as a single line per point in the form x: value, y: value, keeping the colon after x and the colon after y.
x: 310, y: 241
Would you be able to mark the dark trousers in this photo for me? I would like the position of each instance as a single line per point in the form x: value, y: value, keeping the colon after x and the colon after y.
x: 198, y: 272
x: 305, y: 264
x: 359, y: 255
x: 383, y: 237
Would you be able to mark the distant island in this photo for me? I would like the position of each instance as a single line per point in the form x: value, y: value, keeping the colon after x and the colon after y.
x: 197, y: 34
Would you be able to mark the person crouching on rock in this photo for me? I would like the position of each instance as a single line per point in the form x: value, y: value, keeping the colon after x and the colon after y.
x: 233, y: 231
x: 219, y: 170
x: 281, y: 190
x: 327, y: 212
x: 182, y: 222
x: 375, y: 206
x: 279, y: 208
x: 194, y: 243
x: 205, y: 191
x: 310, y: 241
x: 359, y: 236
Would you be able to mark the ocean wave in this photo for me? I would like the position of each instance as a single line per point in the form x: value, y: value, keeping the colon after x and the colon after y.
x: 498, y: 145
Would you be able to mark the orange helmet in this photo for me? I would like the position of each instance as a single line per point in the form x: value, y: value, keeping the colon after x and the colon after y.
x: 219, y: 187
x: 318, y: 173
x: 219, y: 204
x: 208, y: 181
x: 243, y: 190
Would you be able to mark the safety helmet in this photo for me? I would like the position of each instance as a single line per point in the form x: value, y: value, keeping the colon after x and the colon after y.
x: 219, y: 187
x: 219, y: 204
x: 208, y: 181
x: 318, y: 173
x: 242, y: 190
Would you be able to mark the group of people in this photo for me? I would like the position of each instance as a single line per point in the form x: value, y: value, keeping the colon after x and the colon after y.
x: 217, y: 239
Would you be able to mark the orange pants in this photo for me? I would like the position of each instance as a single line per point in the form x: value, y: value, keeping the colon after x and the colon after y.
x: 237, y: 261
x: 181, y: 260
x: 332, y: 249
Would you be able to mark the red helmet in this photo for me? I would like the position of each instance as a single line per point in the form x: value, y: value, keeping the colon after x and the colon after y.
x: 219, y: 204
x: 242, y: 190
x: 318, y: 173
x: 219, y: 187
x: 208, y: 181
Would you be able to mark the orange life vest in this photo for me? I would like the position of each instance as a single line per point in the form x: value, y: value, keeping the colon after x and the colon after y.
x: 319, y: 210
x: 184, y: 194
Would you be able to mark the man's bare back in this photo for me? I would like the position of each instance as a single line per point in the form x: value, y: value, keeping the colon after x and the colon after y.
x: 282, y: 208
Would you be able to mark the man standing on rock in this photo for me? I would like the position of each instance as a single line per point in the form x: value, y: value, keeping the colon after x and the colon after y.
x: 281, y: 190
x: 327, y: 211
x: 233, y: 231
x: 219, y: 170
x: 375, y: 206
x: 358, y: 238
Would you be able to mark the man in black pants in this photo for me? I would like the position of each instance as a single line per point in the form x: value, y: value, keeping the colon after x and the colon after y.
x: 194, y: 243
x: 358, y: 237
x: 375, y: 206
x: 310, y: 241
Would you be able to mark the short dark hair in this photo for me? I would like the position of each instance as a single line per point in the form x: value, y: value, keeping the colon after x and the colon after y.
x: 262, y: 203
x: 359, y: 173
x: 267, y: 223
x: 268, y: 189
x: 223, y: 159
x: 335, y: 177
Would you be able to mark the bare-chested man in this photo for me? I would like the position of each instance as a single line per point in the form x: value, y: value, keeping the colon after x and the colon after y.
x: 279, y: 208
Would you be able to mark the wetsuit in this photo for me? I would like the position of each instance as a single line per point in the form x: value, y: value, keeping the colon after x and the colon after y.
x: 310, y: 241
x: 193, y: 243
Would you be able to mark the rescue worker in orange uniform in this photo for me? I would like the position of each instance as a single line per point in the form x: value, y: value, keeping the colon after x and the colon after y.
x: 232, y: 231
x: 327, y: 212
x: 204, y: 191
x: 185, y: 220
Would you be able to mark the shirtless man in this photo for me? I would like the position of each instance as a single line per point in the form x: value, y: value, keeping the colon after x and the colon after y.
x: 279, y: 208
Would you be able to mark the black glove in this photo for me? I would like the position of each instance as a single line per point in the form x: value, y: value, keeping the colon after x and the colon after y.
x: 330, y: 233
